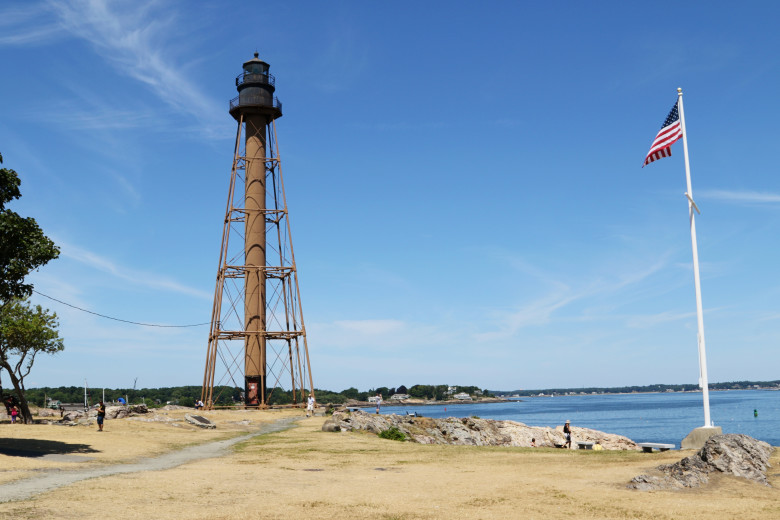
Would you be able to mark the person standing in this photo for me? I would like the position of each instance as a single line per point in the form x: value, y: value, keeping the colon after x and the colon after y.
x: 14, y: 414
x: 310, y: 405
x: 567, y: 433
x: 378, y: 402
x: 101, y: 415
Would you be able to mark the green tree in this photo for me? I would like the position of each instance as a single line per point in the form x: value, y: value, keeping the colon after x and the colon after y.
x: 422, y: 391
x: 25, y: 332
x: 351, y: 393
x: 23, y: 248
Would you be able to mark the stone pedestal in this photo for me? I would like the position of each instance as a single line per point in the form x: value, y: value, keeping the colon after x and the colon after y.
x: 696, y: 439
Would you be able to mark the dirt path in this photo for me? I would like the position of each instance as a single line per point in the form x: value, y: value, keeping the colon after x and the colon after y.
x: 53, y: 479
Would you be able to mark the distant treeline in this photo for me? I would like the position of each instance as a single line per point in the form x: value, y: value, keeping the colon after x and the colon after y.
x: 225, y: 396
x: 733, y: 385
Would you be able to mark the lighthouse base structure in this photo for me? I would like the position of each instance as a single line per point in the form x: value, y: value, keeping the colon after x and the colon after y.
x: 698, y: 436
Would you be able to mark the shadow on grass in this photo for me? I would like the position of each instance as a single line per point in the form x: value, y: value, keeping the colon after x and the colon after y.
x: 40, y: 448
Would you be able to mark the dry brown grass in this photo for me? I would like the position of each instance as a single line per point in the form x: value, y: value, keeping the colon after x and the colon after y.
x: 122, y: 440
x: 305, y: 473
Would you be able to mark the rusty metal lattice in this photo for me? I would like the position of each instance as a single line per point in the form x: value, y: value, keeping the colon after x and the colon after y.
x: 283, y: 363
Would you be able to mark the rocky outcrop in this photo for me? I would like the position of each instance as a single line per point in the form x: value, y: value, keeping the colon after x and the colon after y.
x: 116, y: 412
x: 731, y: 454
x: 120, y: 411
x: 138, y: 409
x: 72, y: 415
x: 471, y: 431
x: 176, y: 407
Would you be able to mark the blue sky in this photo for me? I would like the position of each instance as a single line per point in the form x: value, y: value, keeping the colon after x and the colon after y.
x: 464, y: 183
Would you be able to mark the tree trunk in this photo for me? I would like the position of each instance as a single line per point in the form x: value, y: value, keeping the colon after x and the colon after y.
x: 24, y: 409
x: 2, y: 396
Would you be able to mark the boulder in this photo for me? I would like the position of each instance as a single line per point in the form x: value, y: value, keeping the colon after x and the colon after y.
x: 731, y: 454
x: 72, y: 415
x: 470, y: 431
x: 138, y: 408
x: 199, y: 421
x: 116, y: 412
x: 331, y: 426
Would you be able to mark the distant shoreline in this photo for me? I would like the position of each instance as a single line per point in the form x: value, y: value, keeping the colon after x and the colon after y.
x: 507, y: 399
x: 425, y: 402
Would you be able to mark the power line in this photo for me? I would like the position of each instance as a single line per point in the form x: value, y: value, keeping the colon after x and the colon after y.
x: 119, y: 319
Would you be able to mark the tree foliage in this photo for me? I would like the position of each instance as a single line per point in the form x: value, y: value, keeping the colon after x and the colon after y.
x: 436, y: 392
x: 23, y: 246
x: 25, y: 332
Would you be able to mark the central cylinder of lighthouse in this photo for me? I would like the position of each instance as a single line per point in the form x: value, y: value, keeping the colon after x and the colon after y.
x: 254, y: 250
x: 257, y: 108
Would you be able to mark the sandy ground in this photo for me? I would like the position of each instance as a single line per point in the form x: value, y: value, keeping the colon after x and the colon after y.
x: 305, y: 473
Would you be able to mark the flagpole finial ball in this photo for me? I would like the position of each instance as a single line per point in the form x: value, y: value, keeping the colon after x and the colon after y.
x: 679, y: 90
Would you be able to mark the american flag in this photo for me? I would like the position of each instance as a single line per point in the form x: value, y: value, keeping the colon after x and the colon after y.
x: 670, y: 132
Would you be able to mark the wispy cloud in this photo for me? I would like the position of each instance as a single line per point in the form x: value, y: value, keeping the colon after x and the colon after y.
x: 135, y: 39
x: 28, y: 25
x: 383, y: 336
x: 652, y: 320
x: 535, y: 313
x: 139, y: 40
x: 134, y: 276
x: 741, y: 197
x: 371, y: 327
x: 559, y: 295
x: 104, y: 118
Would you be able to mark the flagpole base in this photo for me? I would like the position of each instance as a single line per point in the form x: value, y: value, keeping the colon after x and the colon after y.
x: 698, y: 436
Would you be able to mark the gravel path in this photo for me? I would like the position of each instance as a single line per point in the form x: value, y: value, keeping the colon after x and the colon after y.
x: 26, y: 488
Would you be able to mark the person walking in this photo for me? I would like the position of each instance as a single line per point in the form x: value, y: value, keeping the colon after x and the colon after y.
x: 567, y: 433
x: 14, y: 414
x: 101, y: 415
x: 310, y: 406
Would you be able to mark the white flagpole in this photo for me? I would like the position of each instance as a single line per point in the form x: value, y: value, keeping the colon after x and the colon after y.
x: 700, y: 318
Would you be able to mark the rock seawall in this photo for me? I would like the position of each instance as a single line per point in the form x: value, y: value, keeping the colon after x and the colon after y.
x: 731, y: 454
x: 472, y: 431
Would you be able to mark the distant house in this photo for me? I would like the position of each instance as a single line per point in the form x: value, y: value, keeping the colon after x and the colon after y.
x: 399, y: 397
x: 374, y: 398
x: 463, y: 396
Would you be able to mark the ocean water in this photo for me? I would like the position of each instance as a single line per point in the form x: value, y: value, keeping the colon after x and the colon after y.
x: 661, y: 417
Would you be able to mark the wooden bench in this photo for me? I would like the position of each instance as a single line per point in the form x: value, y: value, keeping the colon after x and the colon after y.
x: 648, y: 447
x: 585, y: 445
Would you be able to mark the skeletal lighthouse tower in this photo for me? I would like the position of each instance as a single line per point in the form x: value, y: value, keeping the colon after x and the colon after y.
x: 257, y: 342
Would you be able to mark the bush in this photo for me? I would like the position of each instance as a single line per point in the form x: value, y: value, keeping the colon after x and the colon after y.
x: 393, y: 434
